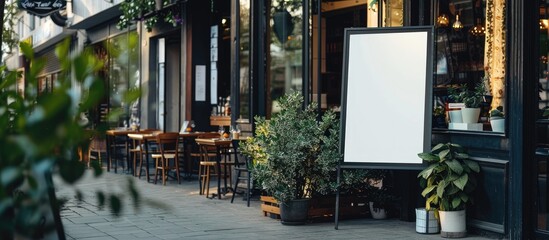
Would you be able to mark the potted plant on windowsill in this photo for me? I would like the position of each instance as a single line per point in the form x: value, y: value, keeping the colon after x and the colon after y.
x: 497, y: 119
x: 448, y: 183
x: 294, y: 155
x: 471, y: 98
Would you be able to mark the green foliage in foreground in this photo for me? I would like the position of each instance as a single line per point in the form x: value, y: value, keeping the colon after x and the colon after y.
x: 40, y: 135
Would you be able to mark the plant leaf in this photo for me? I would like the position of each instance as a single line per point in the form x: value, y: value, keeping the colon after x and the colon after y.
x: 428, y: 190
x: 472, y: 165
x: 462, y: 181
x: 456, y: 202
x: 440, y: 188
x: 429, y: 157
x: 455, y: 166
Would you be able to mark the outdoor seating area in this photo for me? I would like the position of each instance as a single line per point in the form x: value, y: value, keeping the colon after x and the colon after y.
x: 167, y: 158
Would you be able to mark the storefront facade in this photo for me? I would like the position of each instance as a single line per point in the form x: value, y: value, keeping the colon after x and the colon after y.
x: 255, y: 51
x: 272, y: 54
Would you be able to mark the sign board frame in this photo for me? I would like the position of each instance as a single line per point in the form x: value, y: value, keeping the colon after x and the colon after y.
x: 41, y: 8
x: 386, y: 97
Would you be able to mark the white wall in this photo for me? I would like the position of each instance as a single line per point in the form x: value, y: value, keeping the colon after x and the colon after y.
x: 84, y: 9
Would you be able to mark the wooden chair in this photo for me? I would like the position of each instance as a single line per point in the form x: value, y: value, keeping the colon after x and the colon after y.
x: 98, y: 146
x: 195, y: 155
x: 168, y: 146
x: 137, y: 151
x: 206, y: 169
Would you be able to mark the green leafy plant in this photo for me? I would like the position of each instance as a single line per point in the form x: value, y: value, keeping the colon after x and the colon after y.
x: 449, y: 179
x: 294, y: 154
x: 471, y: 98
x: 145, y: 10
x: 381, y: 197
x: 497, y: 113
x: 40, y: 136
x: 438, y: 111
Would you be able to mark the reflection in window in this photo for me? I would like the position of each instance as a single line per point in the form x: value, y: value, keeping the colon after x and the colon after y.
x: 244, y: 64
x: 284, y: 58
x: 393, y: 13
x: 469, y: 51
x: 120, y: 72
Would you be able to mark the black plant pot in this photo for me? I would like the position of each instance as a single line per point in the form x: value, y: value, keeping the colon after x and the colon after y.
x: 294, y: 212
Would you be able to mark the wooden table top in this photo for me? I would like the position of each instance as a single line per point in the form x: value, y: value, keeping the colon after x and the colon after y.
x: 213, y: 141
x: 120, y: 132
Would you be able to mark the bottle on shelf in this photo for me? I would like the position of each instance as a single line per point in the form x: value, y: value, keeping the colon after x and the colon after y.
x: 227, y: 106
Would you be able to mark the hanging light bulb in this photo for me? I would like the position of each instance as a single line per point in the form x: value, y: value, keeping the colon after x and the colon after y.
x: 457, y: 24
x: 478, y: 30
x: 443, y: 21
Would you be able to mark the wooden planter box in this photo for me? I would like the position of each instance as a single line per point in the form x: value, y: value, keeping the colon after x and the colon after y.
x: 323, y: 207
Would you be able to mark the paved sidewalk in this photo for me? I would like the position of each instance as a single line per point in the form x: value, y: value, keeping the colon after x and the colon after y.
x: 192, y: 216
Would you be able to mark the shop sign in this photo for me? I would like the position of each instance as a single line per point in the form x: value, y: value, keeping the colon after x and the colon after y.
x: 41, y: 8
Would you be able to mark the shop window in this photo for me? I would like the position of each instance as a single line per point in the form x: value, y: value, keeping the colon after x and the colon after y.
x: 284, y: 51
x: 120, y: 73
x: 469, y: 54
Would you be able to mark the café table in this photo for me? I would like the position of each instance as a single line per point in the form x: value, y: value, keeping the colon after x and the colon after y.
x: 219, y: 144
x: 111, y: 136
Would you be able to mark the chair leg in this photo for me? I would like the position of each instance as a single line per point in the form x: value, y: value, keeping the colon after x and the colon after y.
x: 140, y: 165
x: 156, y: 170
x: 207, y: 182
x: 235, y: 185
x: 176, y: 162
x: 248, y: 189
x: 200, y: 192
x: 163, y: 168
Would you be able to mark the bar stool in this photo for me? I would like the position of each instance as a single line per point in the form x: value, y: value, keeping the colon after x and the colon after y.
x: 168, y: 145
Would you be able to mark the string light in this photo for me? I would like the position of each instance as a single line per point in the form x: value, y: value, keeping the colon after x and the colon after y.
x: 478, y: 30
x: 443, y: 21
x: 457, y: 24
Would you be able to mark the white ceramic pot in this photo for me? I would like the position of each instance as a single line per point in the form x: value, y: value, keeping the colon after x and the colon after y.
x: 377, y: 213
x: 498, y: 125
x: 426, y: 222
x: 452, y: 224
x: 455, y: 116
x: 470, y: 115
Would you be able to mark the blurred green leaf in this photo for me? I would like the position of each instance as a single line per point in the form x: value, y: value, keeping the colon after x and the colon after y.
x: 71, y: 170
x: 116, y: 206
x: 100, y: 199
x: 26, y: 48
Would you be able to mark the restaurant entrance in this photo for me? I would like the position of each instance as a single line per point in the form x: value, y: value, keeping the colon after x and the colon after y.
x: 168, y: 102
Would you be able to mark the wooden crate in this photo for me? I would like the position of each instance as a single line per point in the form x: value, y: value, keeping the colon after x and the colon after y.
x: 269, y: 206
x: 324, y: 207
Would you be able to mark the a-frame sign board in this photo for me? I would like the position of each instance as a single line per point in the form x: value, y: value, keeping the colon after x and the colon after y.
x: 386, y: 98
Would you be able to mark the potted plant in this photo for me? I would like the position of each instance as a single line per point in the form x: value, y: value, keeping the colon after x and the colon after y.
x: 471, y: 98
x: 439, y: 119
x: 497, y: 119
x: 294, y: 155
x: 380, y: 201
x: 448, y: 183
